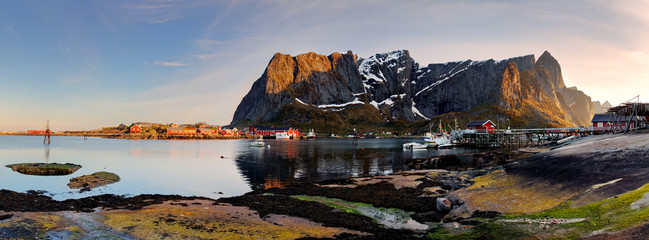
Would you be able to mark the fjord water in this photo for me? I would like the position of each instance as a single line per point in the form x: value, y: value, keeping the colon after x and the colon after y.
x: 210, y: 168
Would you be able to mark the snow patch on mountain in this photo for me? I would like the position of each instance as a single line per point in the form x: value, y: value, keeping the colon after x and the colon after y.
x: 374, y: 75
x: 332, y: 107
x: 452, y: 73
x: 416, y: 111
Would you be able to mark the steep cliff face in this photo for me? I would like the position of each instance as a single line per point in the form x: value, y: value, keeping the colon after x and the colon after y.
x: 391, y: 86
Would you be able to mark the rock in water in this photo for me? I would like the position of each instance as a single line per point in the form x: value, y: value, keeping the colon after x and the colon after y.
x: 86, y: 182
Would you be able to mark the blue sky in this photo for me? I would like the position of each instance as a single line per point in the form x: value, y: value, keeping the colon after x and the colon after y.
x: 88, y: 64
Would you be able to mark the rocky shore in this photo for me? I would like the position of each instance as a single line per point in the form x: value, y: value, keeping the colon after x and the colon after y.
x: 594, y: 188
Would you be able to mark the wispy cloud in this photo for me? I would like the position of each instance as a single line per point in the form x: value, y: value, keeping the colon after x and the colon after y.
x: 206, y: 44
x: 170, y: 64
x: 146, y: 6
x: 162, y: 11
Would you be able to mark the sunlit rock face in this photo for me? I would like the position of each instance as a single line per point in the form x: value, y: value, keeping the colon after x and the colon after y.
x: 391, y: 86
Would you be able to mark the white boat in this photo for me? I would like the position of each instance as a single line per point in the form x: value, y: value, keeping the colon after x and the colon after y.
x: 447, y: 145
x: 310, y: 135
x: 281, y: 135
x: 428, y: 137
x: 439, y: 139
x: 414, y: 145
x: 257, y: 143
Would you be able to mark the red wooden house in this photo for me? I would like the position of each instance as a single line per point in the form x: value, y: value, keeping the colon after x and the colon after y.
x: 135, y: 128
x: 180, y: 130
x: 607, y: 121
x: 35, y: 131
x: 485, y: 126
x: 271, y: 131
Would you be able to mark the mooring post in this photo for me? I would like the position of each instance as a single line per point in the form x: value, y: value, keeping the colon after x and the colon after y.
x: 47, y: 133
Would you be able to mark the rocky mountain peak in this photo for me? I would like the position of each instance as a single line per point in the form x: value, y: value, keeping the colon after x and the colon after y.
x: 279, y: 73
x: 607, y: 105
x: 548, y: 63
x: 391, y: 86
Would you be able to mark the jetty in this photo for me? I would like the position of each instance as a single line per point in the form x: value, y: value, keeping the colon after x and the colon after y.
x: 625, y: 118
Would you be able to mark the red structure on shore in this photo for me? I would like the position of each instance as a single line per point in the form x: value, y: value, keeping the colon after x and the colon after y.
x: 271, y: 131
x: 36, y: 131
x: 135, y: 129
x: 484, y: 126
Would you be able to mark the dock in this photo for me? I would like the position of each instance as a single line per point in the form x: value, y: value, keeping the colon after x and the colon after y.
x: 628, y: 117
x: 519, y: 138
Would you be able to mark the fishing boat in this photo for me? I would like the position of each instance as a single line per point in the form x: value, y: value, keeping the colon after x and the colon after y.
x: 310, y: 135
x: 414, y: 145
x: 438, y: 139
x: 281, y: 135
x: 257, y: 143
x: 445, y: 146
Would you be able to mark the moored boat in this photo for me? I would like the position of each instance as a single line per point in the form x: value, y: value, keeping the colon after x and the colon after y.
x: 281, y: 135
x: 257, y: 143
x: 414, y: 145
x: 310, y: 135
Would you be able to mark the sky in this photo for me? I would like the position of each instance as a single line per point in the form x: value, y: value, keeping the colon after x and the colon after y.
x: 86, y: 64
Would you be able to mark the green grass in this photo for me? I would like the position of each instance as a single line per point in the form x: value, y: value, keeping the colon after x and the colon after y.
x: 348, y: 207
x: 107, y: 176
x: 484, y: 230
x: 44, y: 168
x: 44, y: 165
x: 612, y: 213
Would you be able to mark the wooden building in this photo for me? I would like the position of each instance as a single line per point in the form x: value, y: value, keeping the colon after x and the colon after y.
x: 608, y: 121
x: 484, y: 126
x: 135, y: 128
x: 271, y: 131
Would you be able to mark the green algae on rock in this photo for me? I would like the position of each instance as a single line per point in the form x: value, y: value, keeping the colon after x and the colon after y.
x: 93, y: 180
x: 45, y: 169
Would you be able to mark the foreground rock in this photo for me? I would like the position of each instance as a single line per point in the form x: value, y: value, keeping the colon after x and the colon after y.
x: 45, y: 169
x: 93, y: 180
x: 589, y: 170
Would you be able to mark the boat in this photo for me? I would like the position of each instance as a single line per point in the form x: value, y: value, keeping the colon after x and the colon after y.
x: 257, y: 143
x: 438, y: 139
x: 310, y: 135
x: 414, y: 145
x: 281, y: 135
x: 444, y: 146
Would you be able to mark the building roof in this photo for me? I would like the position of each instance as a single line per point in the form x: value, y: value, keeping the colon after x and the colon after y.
x: 479, y: 123
x: 606, y: 117
x: 268, y: 128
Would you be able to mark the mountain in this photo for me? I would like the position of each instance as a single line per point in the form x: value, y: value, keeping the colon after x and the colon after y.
x: 341, y: 91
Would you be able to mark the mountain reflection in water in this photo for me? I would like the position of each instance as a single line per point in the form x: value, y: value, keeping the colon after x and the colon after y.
x: 287, y: 161
x: 209, y: 168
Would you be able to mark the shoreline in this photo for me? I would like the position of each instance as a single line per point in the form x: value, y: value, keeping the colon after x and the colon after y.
x: 142, y: 136
x: 464, y: 201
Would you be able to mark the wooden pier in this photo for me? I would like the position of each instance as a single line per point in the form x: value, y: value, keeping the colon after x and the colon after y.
x: 518, y: 138
x: 627, y: 117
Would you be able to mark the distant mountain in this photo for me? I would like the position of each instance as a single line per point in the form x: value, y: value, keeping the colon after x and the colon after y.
x: 601, y: 108
x: 341, y: 91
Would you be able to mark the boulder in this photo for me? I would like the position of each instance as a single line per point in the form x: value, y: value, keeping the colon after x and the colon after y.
x: 443, y: 205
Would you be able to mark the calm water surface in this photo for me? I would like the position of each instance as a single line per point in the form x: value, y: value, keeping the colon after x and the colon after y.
x: 210, y: 168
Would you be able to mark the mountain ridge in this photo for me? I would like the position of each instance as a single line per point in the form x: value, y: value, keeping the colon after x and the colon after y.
x: 393, y: 87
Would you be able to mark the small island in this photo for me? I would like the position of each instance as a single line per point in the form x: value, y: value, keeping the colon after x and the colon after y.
x: 45, y: 169
x: 93, y: 180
